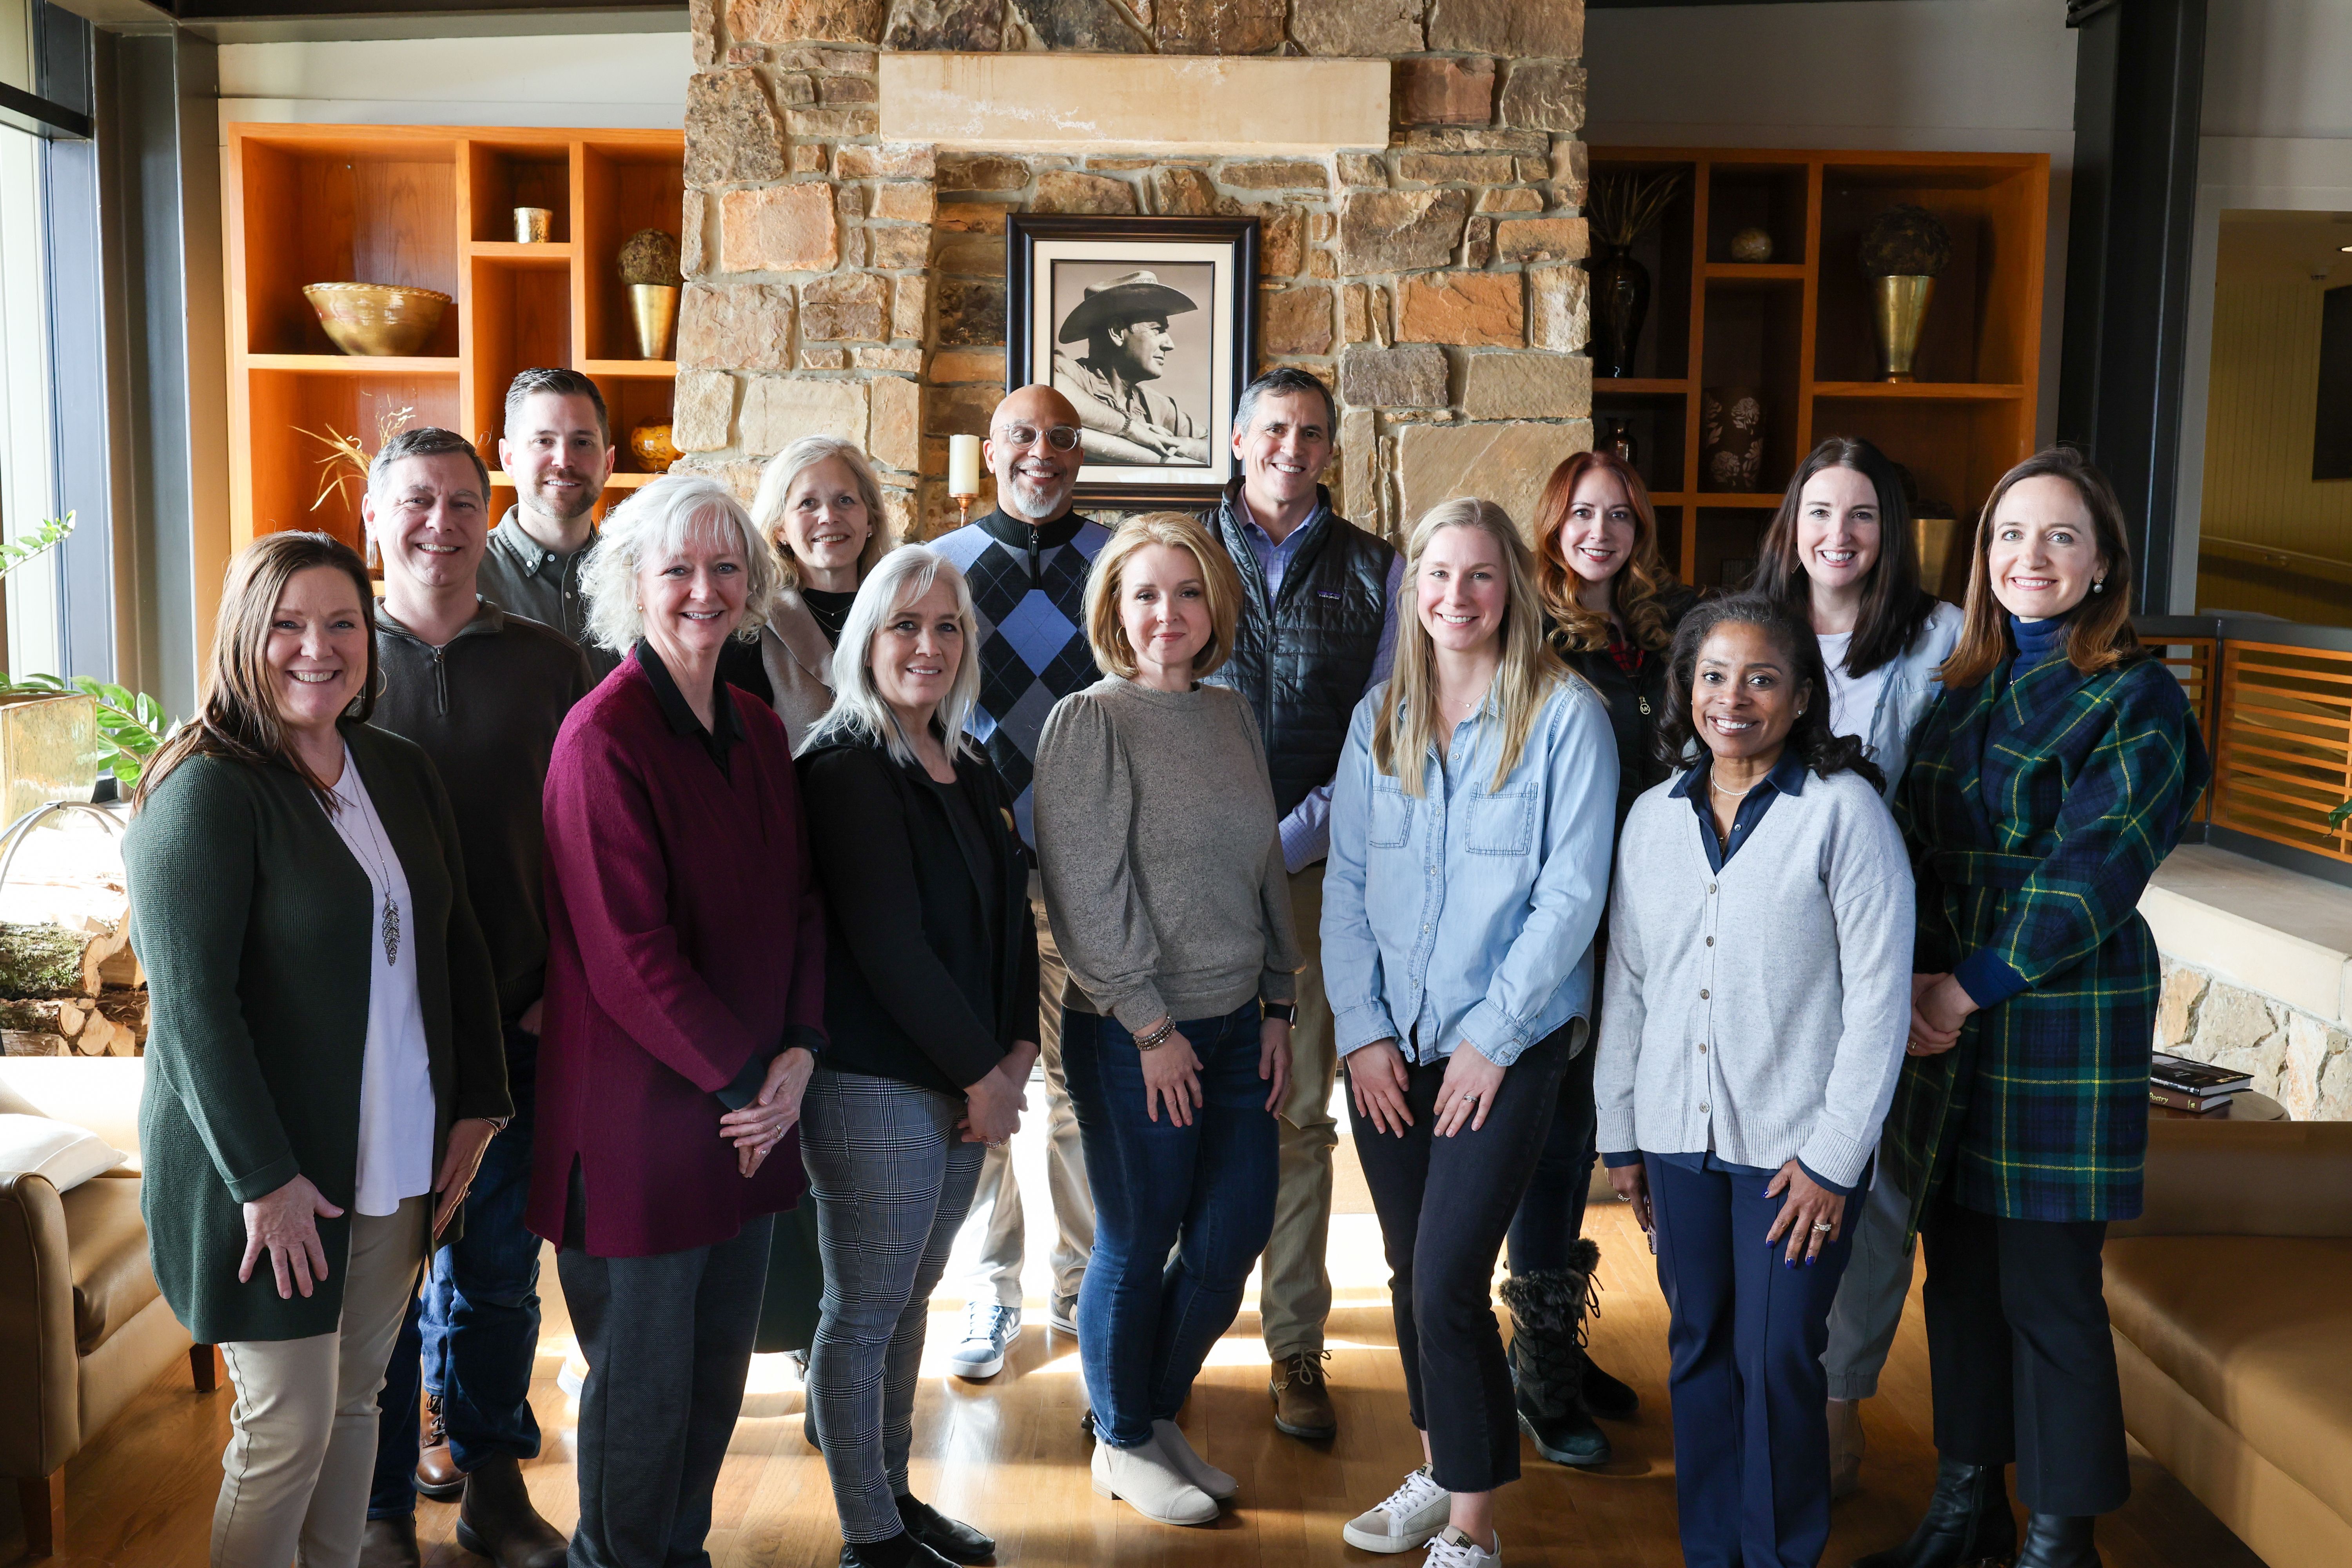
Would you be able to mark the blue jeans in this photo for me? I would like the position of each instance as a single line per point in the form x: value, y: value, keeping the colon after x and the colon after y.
x: 1146, y: 1321
x: 1744, y: 1337
x: 472, y: 1334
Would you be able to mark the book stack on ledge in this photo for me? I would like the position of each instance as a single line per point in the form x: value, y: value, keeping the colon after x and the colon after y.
x: 2198, y: 1088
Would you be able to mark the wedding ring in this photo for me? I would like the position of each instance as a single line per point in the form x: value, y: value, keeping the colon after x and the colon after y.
x: 1823, y: 1224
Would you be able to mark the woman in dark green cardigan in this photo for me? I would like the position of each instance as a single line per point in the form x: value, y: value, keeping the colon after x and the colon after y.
x: 324, y: 1065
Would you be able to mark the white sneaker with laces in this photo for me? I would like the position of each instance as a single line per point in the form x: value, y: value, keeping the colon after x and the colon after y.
x: 1451, y: 1549
x: 1415, y: 1511
x: 988, y: 1327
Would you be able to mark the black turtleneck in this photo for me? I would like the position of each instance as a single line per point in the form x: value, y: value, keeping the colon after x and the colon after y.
x: 1020, y: 533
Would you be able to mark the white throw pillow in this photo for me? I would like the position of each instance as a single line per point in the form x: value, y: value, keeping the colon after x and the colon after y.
x: 63, y: 1154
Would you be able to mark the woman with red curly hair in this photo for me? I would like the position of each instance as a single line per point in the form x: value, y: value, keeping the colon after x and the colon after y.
x: 1611, y: 604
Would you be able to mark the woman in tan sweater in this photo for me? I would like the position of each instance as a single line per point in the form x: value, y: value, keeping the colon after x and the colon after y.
x: 1157, y: 832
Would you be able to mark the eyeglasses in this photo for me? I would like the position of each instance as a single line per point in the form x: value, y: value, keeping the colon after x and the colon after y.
x: 1061, y: 438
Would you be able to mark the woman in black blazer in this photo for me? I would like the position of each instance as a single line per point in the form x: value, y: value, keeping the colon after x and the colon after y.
x: 931, y: 1014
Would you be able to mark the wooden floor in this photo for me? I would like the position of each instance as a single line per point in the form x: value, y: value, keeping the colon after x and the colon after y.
x: 1008, y: 1455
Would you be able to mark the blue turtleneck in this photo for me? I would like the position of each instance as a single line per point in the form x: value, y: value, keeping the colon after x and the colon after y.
x: 2038, y: 641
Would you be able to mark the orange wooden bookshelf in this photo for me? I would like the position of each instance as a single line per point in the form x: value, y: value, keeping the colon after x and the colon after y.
x: 431, y: 207
x: 1798, y: 327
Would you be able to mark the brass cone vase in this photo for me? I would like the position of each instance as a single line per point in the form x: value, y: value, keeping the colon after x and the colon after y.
x: 1898, y: 309
x: 653, y: 312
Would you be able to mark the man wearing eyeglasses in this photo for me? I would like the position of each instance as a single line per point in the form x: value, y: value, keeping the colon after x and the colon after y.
x: 1027, y: 561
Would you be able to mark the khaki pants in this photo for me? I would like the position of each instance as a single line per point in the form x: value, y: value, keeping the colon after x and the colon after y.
x: 1295, y: 1287
x: 996, y: 1201
x: 302, y: 1450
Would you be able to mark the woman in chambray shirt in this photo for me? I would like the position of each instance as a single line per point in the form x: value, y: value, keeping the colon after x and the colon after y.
x: 1470, y: 844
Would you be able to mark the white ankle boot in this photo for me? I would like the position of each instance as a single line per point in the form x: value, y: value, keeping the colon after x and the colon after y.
x: 1178, y: 1451
x: 1146, y: 1478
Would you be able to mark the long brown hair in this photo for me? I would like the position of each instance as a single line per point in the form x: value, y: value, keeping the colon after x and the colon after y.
x: 1524, y: 681
x: 241, y: 718
x: 1642, y: 583
x: 1895, y: 608
x: 2099, y: 630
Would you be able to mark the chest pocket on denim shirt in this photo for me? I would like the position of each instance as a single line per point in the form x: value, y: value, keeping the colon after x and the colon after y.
x: 1391, y: 815
x: 1502, y: 824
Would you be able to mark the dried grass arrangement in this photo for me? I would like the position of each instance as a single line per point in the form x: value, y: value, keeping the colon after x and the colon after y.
x: 1623, y: 207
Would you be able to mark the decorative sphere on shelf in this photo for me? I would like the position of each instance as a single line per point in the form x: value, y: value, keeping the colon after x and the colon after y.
x: 651, y: 444
x: 1751, y: 244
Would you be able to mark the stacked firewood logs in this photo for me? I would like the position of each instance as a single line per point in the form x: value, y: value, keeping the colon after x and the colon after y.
x: 66, y: 991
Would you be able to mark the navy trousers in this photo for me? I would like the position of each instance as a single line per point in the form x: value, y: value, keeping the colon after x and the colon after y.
x: 1746, y: 1336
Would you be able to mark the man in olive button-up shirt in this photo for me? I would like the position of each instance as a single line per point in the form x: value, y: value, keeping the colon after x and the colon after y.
x: 558, y: 451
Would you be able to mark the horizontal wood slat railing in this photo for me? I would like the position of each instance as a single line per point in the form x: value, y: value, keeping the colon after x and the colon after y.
x: 2274, y: 699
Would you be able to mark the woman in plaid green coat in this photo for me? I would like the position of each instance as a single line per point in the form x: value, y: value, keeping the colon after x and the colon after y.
x: 2046, y: 785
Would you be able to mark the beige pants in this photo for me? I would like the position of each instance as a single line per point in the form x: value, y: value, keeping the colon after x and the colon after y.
x: 1295, y: 1287
x: 996, y: 1201
x: 294, y: 1483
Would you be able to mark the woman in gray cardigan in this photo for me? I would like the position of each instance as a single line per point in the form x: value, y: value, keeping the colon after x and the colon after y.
x: 325, y: 1067
x: 1756, y: 1005
x: 1840, y: 554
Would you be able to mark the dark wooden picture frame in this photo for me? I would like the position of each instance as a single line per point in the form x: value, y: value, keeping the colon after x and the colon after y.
x: 1068, y: 272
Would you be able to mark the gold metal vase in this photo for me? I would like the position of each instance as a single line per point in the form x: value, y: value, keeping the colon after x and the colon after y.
x: 653, y: 312
x: 1898, y: 309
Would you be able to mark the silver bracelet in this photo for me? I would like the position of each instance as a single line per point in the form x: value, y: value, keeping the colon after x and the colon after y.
x: 1157, y: 1037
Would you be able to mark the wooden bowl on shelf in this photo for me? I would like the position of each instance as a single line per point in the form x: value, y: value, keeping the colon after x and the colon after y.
x: 373, y: 318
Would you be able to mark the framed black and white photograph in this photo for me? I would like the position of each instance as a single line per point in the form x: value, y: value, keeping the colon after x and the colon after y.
x: 1147, y: 325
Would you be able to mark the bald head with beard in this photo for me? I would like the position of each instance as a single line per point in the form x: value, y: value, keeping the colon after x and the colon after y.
x: 1032, y: 481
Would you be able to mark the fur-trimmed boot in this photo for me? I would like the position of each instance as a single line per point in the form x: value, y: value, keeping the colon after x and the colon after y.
x: 1547, y: 1312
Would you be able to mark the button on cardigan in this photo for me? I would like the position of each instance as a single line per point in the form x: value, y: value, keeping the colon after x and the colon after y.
x: 685, y: 935
x: 1757, y: 1013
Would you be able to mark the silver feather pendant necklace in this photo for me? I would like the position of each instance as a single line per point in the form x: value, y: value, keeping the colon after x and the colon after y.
x: 376, y: 861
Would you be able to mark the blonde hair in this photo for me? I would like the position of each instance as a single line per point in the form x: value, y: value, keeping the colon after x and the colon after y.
x: 776, y: 483
x: 859, y: 711
x: 1221, y: 585
x: 653, y: 524
x: 1530, y: 670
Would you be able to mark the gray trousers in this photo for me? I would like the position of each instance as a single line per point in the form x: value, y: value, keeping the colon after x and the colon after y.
x: 669, y: 1343
x: 892, y: 1179
x: 1869, y: 1304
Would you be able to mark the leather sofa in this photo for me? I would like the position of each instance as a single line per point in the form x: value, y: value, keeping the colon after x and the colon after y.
x: 2231, y: 1303
x: 83, y: 1327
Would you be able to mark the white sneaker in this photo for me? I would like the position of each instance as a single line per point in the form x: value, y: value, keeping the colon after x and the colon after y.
x: 988, y: 1327
x: 1451, y: 1549
x: 1190, y: 1465
x: 1147, y: 1480
x: 1415, y: 1511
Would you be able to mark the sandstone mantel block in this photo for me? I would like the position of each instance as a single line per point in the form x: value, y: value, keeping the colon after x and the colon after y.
x: 1529, y: 385
x: 1117, y: 103
x: 1509, y: 26
x: 1505, y: 464
x: 779, y: 228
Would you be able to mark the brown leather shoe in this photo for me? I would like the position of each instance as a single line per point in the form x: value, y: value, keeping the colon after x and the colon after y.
x: 497, y: 1521
x: 437, y: 1475
x: 390, y: 1543
x: 1302, y: 1398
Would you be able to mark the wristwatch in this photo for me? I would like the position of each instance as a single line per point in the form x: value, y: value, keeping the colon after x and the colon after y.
x: 1285, y: 1011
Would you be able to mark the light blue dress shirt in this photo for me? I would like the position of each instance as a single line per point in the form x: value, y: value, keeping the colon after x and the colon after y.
x: 1307, y: 831
x: 1467, y: 913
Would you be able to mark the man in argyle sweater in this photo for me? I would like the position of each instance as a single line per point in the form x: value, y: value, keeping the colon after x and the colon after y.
x: 1027, y: 562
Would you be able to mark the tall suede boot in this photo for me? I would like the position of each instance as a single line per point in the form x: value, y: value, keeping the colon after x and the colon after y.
x: 1968, y: 1524
x: 2058, y: 1541
x: 1548, y: 1311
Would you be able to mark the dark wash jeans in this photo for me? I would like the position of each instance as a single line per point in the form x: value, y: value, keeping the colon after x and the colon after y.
x: 473, y: 1332
x: 1146, y: 1321
x: 1444, y: 1205
x: 1552, y: 1215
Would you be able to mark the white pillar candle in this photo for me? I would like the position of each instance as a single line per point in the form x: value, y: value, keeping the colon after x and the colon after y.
x: 964, y: 465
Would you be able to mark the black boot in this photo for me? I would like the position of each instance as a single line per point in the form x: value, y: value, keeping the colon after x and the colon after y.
x: 950, y: 1537
x: 2058, y: 1541
x: 1547, y: 1360
x: 1968, y: 1524
x: 1608, y: 1397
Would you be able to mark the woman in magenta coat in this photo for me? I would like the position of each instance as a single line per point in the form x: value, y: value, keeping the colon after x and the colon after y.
x: 685, y: 1002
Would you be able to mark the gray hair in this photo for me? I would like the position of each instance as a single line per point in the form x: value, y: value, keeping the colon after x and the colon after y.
x: 652, y: 525
x: 859, y: 712
x: 1281, y: 379
x: 424, y: 441
x: 776, y: 483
